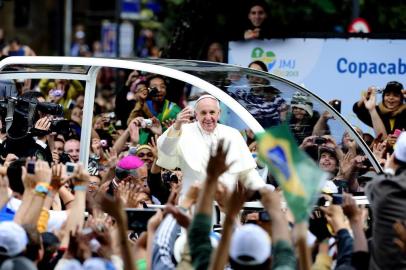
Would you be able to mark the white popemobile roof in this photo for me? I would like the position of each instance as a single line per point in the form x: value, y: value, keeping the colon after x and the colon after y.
x: 202, y: 75
x: 86, y: 69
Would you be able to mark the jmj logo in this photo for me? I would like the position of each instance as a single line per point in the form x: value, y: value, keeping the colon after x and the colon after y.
x: 268, y: 57
x: 285, y: 68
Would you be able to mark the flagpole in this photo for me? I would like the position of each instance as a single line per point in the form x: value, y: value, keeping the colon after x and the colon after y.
x: 301, y: 244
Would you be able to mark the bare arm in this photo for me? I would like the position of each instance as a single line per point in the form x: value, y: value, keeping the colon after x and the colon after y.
x: 377, y: 124
x: 215, y: 168
x: 35, y: 202
x: 355, y: 217
x: 320, y: 127
x: 4, y: 197
x: 113, y: 207
x: 272, y: 204
x: 120, y: 142
x: 66, y: 196
x: 220, y: 257
x: 76, y: 214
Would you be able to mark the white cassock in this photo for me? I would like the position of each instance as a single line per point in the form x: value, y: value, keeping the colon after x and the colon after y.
x: 189, y: 150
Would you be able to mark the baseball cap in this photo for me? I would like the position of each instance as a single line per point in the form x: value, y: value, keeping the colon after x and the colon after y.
x: 393, y: 86
x: 13, y: 239
x: 250, y: 245
x: 400, y: 147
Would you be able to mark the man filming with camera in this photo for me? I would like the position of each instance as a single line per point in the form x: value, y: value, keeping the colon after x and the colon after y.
x: 27, y: 121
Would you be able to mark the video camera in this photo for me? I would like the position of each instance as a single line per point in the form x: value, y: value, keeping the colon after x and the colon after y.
x: 20, y: 114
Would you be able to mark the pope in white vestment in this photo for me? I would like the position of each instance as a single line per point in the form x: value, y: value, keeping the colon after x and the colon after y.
x: 187, y: 146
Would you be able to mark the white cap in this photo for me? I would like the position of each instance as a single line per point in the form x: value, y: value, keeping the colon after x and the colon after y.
x: 13, y: 239
x: 207, y: 96
x: 181, y: 241
x: 250, y: 241
x: 400, y: 147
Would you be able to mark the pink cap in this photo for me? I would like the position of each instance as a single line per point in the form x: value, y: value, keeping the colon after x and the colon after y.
x: 130, y: 162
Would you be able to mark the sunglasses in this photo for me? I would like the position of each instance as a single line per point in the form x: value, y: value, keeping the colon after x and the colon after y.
x: 149, y: 154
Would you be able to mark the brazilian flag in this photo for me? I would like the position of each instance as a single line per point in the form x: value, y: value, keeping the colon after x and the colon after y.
x: 296, y: 173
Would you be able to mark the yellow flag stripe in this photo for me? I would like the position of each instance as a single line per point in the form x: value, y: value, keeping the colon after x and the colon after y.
x: 292, y: 185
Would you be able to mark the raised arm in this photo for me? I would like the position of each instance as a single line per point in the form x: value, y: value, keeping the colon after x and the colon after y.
x: 41, y: 178
x: 198, y: 235
x: 377, y: 123
x: 76, y: 214
x: 113, y: 207
x: 234, y: 205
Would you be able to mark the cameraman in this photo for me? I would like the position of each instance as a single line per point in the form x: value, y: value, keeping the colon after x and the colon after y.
x: 28, y: 143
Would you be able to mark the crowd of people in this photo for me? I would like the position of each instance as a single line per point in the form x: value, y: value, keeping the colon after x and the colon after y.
x: 167, y: 178
x: 166, y: 183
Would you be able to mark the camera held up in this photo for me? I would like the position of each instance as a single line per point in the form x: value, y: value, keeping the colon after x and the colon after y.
x: 20, y: 114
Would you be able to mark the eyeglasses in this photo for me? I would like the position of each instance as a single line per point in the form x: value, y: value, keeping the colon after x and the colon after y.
x: 149, y: 154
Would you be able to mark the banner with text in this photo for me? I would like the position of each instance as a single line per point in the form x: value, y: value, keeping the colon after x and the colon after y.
x: 331, y: 68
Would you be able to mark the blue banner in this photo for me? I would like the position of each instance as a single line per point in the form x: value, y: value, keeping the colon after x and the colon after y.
x: 331, y: 68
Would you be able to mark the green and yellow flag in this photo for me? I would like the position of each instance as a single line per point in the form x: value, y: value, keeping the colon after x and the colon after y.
x: 296, y: 173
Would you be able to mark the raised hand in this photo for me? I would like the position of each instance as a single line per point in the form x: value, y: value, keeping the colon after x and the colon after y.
x: 221, y: 196
x: 346, y: 165
x: 132, y: 77
x: 350, y: 208
x: 335, y: 216
x: 237, y: 199
x: 123, y: 191
x: 183, y: 219
x: 370, y: 102
x: 56, y: 180
x: 78, y: 247
x: 43, y: 172
x: 134, y: 199
x: 43, y: 123
x: 167, y: 123
x: 217, y: 162
x: 154, y: 147
x: 184, y: 117
x: 80, y: 175
x: 134, y: 130
x: 191, y: 195
x: 96, y: 147
x: 307, y: 142
x: 9, y: 159
x: 156, y: 127
x: 111, y: 157
x: 114, y: 207
x: 270, y: 200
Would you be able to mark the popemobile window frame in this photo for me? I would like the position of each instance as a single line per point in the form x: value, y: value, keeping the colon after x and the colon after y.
x: 198, y: 74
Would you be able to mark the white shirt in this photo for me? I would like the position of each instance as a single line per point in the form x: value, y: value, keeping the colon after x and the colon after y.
x: 190, y: 151
x: 56, y: 218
